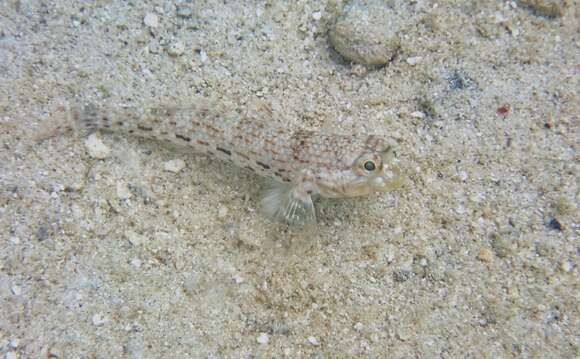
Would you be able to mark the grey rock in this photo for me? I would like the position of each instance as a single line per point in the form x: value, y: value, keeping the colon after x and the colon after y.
x: 367, y: 31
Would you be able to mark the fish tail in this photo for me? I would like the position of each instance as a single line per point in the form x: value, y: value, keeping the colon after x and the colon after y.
x: 61, y: 122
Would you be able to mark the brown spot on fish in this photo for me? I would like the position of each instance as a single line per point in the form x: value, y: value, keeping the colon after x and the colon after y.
x: 203, y: 143
x: 227, y: 152
x: 185, y: 138
x: 213, y: 129
x: 265, y: 166
x: 242, y: 155
x: 144, y: 128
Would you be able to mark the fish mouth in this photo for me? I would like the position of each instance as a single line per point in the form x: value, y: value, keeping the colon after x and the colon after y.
x: 389, y: 180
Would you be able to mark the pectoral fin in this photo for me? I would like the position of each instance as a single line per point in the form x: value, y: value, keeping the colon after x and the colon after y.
x: 288, y: 203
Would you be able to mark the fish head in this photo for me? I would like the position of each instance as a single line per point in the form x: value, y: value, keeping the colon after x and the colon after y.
x: 370, y: 168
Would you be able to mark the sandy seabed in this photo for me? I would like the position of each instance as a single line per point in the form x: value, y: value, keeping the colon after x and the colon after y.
x: 475, y: 257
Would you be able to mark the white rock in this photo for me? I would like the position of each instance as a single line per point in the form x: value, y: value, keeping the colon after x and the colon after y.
x: 203, y: 56
x: 123, y: 191
x: 136, y: 263
x: 98, y: 320
x: 312, y: 340
x: 418, y: 114
x: 96, y: 148
x: 414, y: 60
x: 238, y: 279
x: 263, y: 338
x: 358, y: 326
x: 317, y: 15
x: 222, y: 212
x: 151, y: 20
x: 176, y: 49
x: 16, y: 290
x: 174, y: 165
x: 566, y: 266
x: 367, y: 31
x: 11, y: 355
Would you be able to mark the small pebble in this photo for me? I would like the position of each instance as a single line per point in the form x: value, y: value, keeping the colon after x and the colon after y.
x: 96, y: 148
x: 98, y: 320
x: 11, y: 355
x: 15, y: 240
x: 151, y: 20
x: 136, y: 263
x: 503, y: 110
x: 418, y: 114
x: 174, y: 165
x: 42, y: 233
x: 555, y: 224
x: 16, y: 290
x: 414, y: 60
x: 203, y: 56
x: 317, y: 15
x: 312, y: 340
x: 184, y: 11
x: 222, y: 212
x: 485, y: 255
x: 367, y: 31
x: 123, y: 191
x: 238, y: 279
x: 263, y: 338
x: 14, y: 343
x: 566, y: 266
x: 358, y: 326
x: 402, y: 275
x: 176, y: 49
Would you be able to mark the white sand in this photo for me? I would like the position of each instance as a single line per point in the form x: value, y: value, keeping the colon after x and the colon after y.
x: 476, y: 257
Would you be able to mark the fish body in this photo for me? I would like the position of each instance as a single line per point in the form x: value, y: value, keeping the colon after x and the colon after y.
x: 302, y: 164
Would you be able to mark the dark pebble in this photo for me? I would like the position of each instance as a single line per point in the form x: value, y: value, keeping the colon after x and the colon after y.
x: 401, y: 276
x: 42, y: 233
x: 555, y: 224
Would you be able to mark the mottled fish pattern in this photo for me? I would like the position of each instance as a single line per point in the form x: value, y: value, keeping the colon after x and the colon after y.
x: 302, y: 163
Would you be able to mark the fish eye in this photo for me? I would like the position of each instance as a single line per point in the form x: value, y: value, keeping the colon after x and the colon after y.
x: 369, y: 166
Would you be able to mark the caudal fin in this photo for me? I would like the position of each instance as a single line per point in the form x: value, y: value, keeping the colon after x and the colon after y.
x: 60, y: 123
